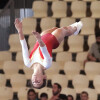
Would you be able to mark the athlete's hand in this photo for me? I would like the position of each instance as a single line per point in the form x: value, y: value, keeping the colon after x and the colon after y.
x: 18, y: 25
x: 37, y: 35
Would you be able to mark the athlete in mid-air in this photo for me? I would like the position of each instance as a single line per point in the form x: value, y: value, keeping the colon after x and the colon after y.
x: 40, y: 57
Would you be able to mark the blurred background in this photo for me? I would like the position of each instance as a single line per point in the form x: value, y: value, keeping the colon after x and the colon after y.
x: 68, y: 67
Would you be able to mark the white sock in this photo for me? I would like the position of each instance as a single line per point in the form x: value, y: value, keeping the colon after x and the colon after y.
x: 78, y: 25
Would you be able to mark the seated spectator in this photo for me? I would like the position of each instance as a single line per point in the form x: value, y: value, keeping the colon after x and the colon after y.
x: 84, y: 95
x: 62, y: 97
x: 70, y: 97
x: 44, y: 96
x: 31, y: 94
x: 56, y: 89
x: 94, y: 52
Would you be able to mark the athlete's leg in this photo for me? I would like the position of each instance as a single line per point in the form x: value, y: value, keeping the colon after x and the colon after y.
x: 49, y: 30
x: 60, y: 33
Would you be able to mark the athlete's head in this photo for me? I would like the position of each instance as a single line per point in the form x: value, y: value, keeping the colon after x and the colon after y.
x: 39, y: 80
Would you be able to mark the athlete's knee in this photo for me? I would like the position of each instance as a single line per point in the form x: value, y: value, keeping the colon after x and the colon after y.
x: 59, y: 29
x: 55, y: 28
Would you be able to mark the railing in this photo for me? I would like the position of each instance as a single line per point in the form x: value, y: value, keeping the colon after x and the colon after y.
x: 13, y: 9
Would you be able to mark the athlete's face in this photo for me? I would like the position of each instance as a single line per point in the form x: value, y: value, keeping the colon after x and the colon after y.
x: 37, y: 80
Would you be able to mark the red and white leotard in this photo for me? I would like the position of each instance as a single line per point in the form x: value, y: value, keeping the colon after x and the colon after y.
x: 42, y: 55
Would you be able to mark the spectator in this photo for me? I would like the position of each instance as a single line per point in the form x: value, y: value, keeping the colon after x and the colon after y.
x: 70, y: 97
x: 62, y: 97
x: 44, y: 96
x: 94, y: 52
x: 84, y: 95
x: 31, y: 94
x: 56, y: 89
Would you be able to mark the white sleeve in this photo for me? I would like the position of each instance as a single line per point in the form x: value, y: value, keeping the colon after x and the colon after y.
x: 25, y: 53
x: 47, y: 58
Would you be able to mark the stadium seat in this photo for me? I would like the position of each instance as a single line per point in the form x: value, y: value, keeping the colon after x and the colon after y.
x: 95, y: 8
x: 40, y: 9
x: 4, y: 56
x: 10, y: 68
x: 54, y: 69
x: 80, y: 82
x: 60, y: 48
x: 31, y: 42
x: 59, y: 9
x: 92, y: 69
x: 19, y: 59
x: 78, y: 9
x: 22, y: 93
x: 70, y: 0
x: 47, y: 23
x: 66, y: 21
x: 51, y: 0
x: 28, y: 72
x: 2, y: 80
x: 81, y: 57
x: 88, y: 26
x: 29, y: 25
x: 71, y: 69
x: 18, y: 81
x: 75, y: 44
x: 92, y: 93
x: 14, y: 43
x: 96, y: 83
x: 69, y: 91
x: 61, y: 79
x: 89, y: 0
x: 6, y: 93
x: 91, y: 40
x: 63, y: 57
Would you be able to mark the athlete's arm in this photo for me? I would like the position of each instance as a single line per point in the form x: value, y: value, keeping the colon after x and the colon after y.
x: 25, y: 53
x: 47, y: 59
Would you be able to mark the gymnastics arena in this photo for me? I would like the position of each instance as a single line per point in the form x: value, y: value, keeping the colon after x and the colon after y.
x: 75, y: 63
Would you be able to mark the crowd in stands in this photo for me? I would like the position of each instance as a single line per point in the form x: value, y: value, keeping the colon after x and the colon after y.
x: 56, y: 94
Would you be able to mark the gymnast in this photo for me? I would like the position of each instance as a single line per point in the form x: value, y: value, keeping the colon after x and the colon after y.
x: 40, y: 57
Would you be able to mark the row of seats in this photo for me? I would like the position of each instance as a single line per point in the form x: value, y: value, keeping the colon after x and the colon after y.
x: 80, y: 82
x: 30, y: 24
x: 70, y: 0
x: 73, y: 68
x: 59, y: 9
x: 75, y: 43
x: 70, y: 68
x: 91, y: 68
x: 22, y: 93
x: 7, y: 56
